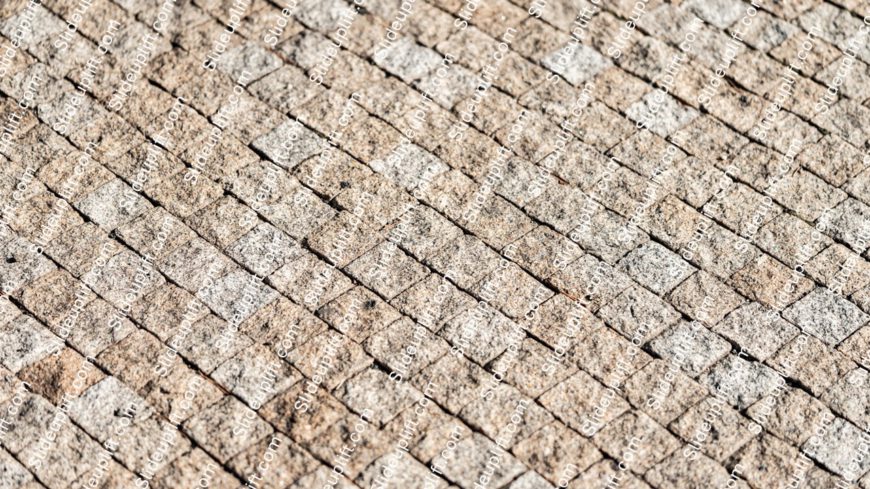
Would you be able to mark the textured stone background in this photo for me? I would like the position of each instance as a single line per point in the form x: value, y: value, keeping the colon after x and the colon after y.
x: 155, y: 239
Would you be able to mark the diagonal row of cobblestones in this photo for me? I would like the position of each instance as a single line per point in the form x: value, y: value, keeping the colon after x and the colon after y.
x: 445, y: 243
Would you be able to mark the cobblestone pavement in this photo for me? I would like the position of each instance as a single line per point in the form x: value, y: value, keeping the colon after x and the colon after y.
x: 435, y: 243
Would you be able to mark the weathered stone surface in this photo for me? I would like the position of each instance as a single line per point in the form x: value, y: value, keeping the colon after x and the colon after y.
x: 432, y: 213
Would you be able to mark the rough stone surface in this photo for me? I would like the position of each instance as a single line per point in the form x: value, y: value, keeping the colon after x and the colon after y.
x: 532, y: 244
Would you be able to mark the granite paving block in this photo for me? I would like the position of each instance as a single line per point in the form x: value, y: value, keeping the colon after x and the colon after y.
x: 513, y: 244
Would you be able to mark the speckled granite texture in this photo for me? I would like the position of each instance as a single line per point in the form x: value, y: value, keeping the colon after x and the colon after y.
x: 475, y: 244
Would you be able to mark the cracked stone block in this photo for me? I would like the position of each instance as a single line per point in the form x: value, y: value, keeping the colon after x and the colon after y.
x: 770, y: 282
x: 573, y: 322
x: 518, y: 292
x: 829, y: 317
